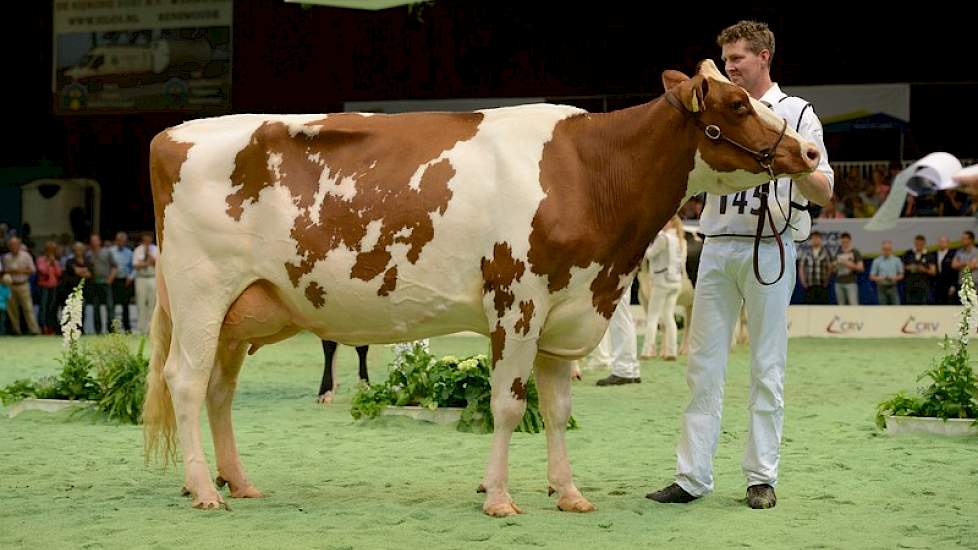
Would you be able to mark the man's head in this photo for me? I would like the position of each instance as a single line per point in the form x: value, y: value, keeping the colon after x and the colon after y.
x: 78, y: 249
x: 146, y: 238
x: 919, y: 242
x: 887, y: 248
x: 845, y: 239
x: 816, y: 239
x: 50, y: 248
x: 14, y: 245
x: 95, y: 241
x: 943, y: 243
x: 968, y: 239
x: 747, y: 49
x: 121, y: 239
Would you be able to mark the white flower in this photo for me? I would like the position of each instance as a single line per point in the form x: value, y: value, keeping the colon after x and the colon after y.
x: 71, y: 316
x: 468, y: 364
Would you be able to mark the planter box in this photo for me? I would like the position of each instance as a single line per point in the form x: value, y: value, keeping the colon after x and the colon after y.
x: 441, y: 415
x: 931, y: 425
x: 46, y: 405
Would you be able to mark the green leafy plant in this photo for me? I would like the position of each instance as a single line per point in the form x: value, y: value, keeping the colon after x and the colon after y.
x: 952, y: 391
x: 419, y: 378
x: 106, y: 372
x: 121, y: 377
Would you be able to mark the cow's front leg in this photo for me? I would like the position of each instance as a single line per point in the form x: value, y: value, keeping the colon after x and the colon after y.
x: 512, y: 361
x: 553, y: 382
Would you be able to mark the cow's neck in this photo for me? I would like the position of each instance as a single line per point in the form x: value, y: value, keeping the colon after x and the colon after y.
x: 611, y: 182
x: 650, y: 152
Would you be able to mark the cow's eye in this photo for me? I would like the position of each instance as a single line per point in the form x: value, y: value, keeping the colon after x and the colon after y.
x: 739, y: 107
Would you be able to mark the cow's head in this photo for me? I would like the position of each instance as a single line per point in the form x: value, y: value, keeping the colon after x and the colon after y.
x: 732, y: 128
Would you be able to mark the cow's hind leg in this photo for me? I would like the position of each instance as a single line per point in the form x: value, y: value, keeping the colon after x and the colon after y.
x: 220, y: 392
x: 553, y: 382
x: 187, y: 371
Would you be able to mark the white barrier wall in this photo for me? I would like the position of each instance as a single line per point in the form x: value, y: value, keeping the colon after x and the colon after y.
x: 873, y: 321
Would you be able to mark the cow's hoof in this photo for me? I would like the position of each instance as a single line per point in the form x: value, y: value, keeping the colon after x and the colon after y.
x: 501, y: 509
x: 325, y: 399
x: 210, y: 502
x: 480, y: 489
x: 575, y: 504
x: 248, y: 491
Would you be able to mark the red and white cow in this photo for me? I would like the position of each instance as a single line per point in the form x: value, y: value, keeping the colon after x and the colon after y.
x: 524, y: 224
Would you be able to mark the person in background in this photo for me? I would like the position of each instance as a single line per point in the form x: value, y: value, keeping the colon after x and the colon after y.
x: 886, y: 272
x: 19, y: 264
x: 920, y: 268
x: 5, y: 282
x: 144, y: 271
x: 122, y: 285
x: 49, y: 272
x: 848, y: 263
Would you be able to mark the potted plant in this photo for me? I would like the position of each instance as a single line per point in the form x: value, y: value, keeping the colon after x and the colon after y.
x: 107, y: 377
x: 948, y: 405
x: 444, y: 390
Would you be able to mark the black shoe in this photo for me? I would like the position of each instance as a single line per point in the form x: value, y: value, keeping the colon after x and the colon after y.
x: 673, y: 494
x: 762, y: 496
x: 612, y: 380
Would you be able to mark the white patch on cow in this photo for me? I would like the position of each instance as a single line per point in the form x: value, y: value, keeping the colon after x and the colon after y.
x: 371, y: 235
x: 404, y: 232
x: 274, y: 165
x: 299, y: 124
x: 345, y: 188
x: 704, y: 177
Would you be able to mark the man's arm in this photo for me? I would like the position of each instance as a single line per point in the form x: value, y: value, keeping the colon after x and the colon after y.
x: 817, y: 186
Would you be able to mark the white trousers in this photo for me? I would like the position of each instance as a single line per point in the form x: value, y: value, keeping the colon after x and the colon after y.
x: 725, y: 280
x: 145, y: 302
x: 662, y: 305
x: 623, y: 340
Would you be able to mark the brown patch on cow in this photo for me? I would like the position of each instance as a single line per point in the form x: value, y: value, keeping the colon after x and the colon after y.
x: 166, y: 158
x: 390, y: 282
x: 375, y: 156
x: 498, y: 275
x: 316, y: 294
x: 518, y: 389
x: 497, y: 339
x: 523, y: 325
x: 611, y: 182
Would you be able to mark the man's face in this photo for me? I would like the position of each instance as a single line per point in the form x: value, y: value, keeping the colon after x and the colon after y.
x: 95, y: 241
x: 744, y: 67
x: 121, y: 239
x: 846, y: 242
x: 816, y: 241
x: 887, y: 248
x: 943, y: 243
x: 966, y: 239
x: 147, y: 240
x: 14, y: 246
x: 918, y: 244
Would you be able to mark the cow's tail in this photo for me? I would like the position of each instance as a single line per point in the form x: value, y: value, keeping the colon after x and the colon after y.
x: 159, y: 421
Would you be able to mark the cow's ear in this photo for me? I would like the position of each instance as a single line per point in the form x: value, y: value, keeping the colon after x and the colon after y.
x: 691, y: 92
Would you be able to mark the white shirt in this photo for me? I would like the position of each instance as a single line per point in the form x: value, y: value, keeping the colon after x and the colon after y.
x: 736, y: 214
x: 666, y: 259
x: 139, y: 256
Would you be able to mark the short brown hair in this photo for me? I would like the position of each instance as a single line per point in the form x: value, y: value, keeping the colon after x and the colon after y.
x: 758, y: 36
